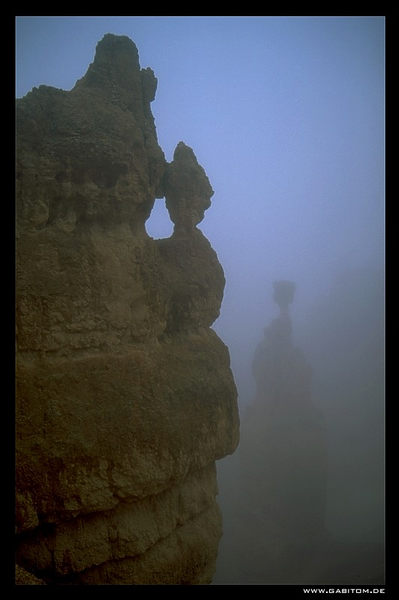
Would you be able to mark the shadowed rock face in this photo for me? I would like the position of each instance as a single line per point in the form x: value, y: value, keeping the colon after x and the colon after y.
x: 125, y: 397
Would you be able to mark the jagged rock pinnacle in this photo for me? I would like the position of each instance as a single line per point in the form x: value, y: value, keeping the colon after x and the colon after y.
x: 116, y: 59
x: 116, y: 75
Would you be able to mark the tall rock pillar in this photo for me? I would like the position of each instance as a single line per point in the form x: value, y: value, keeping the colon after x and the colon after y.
x: 125, y: 397
x: 276, y: 484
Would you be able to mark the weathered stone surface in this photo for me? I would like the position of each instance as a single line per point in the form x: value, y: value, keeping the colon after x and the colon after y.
x: 186, y: 557
x: 125, y: 397
x: 128, y: 531
x: 23, y: 577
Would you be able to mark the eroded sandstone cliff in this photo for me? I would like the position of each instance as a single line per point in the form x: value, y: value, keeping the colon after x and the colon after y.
x: 125, y: 396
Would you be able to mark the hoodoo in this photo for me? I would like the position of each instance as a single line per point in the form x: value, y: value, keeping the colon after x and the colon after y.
x: 125, y: 397
x: 280, y: 467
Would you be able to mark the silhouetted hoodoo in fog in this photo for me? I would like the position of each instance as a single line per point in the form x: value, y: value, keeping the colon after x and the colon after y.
x: 289, y: 448
x: 282, y: 462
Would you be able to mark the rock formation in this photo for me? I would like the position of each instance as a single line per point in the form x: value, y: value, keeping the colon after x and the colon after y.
x: 125, y: 397
x: 278, y: 475
x: 289, y: 429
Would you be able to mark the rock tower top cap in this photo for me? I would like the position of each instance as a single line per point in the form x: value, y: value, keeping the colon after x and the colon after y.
x: 283, y: 293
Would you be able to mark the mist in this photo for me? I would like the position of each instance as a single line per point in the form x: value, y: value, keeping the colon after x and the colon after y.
x: 335, y: 452
x: 286, y: 115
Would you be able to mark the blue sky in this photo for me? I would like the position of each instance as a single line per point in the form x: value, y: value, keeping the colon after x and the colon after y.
x: 286, y: 115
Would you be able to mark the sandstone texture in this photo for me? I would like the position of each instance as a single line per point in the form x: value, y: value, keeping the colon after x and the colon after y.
x: 23, y: 577
x: 125, y: 397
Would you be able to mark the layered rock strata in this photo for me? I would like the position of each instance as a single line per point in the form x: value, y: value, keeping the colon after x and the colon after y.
x: 125, y: 397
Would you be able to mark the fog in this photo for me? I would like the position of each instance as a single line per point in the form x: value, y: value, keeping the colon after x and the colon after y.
x: 342, y: 336
x: 286, y: 115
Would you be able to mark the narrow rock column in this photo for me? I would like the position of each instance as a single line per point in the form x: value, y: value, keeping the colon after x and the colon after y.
x: 275, y: 488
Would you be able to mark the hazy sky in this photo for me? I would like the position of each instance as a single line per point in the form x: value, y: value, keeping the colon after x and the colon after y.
x: 286, y: 115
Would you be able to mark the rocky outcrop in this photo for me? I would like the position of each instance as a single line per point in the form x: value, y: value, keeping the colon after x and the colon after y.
x: 125, y: 396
